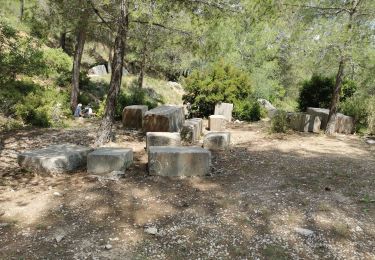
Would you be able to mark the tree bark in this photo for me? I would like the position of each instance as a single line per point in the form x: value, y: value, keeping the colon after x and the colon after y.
x: 81, y: 38
x: 63, y: 41
x: 331, y: 125
x: 143, y: 66
x: 105, y: 128
x: 22, y: 9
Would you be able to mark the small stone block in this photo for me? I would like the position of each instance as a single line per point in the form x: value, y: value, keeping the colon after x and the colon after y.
x: 55, y: 159
x: 107, y: 159
x: 132, y: 116
x: 164, y: 119
x: 217, y: 141
x: 200, y: 124
x: 224, y: 109
x: 190, y: 132
x: 178, y: 161
x: 216, y: 122
x: 162, y: 139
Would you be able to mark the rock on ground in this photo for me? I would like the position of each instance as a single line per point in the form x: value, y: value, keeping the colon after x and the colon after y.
x: 107, y: 159
x: 224, y: 109
x: 162, y: 139
x: 164, y: 119
x: 132, y: 116
x: 217, y: 141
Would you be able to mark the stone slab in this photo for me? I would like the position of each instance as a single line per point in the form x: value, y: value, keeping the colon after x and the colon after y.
x: 164, y: 119
x: 200, y: 124
x: 132, y: 116
x: 216, y: 123
x: 191, y: 131
x: 108, y: 159
x: 217, y: 141
x: 98, y: 70
x: 179, y: 161
x: 224, y: 109
x: 162, y: 139
x: 304, y: 122
x: 55, y: 159
x: 268, y: 106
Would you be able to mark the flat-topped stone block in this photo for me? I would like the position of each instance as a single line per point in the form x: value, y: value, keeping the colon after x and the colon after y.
x: 216, y: 123
x: 304, y: 122
x: 224, y: 109
x: 200, y: 124
x: 132, y: 116
x: 217, y: 141
x: 191, y: 132
x: 108, y: 159
x: 55, y: 159
x: 164, y: 119
x: 162, y: 139
x: 178, y: 161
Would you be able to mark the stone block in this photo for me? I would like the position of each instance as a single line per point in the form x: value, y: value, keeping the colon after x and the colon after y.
x: 162, y: 139
x: 304, y: 122
x: 55, y: 159
x: 224, y: 109
x: 108, y: 159
x: 217, y: 141
x: 200, y: 124
x: 132, y: 116
x: 216, y: 123
x: 191, y: 131
x: 164, y: 119
x: 268, y: 106
x: 178, y: 161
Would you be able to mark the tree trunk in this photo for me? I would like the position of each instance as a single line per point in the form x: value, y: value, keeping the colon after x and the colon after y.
x: 143, y: 67
x: 22, y: 9
x: 331, y: 125
x: 105, y: 128
x: 81, y: 38
x: 63, y: 41
x: 110, y: 60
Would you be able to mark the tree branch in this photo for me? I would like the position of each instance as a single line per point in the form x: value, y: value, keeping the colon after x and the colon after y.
x: 162, y: 26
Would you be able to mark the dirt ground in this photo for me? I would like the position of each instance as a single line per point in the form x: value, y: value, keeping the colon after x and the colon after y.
x: 258, y: 194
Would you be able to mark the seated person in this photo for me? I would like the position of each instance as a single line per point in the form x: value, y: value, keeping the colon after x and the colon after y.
x: 78, y: 111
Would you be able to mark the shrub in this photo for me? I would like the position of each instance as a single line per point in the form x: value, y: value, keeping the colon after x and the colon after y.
x: 247, y: 110
x: 57, y: 61
x: 279, y: 123
x: 356, y: 107
x: 219, y: 83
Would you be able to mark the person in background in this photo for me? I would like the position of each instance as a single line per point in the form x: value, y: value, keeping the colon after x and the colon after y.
x: 78, y: 111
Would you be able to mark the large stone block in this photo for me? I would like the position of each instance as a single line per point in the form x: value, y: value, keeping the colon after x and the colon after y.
x: 216, y: 123
x: 304, y: 122
x: 55, y: 159
x: 162, y: 139
x: 164, y: 119
x: 224, y: 109
x: 217, y: 141
x: 178, y: 161
x: 200, y: 124
x: 109, y: 159
x: 191, y: 131
x: 132, y: 116
x: 344, y: 124
x: 268, y: 106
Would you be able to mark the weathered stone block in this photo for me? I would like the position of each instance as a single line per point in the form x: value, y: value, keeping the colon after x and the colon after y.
x: 164, y: 119
x: 224, y: 109
x: 55, y: 159
x: 217, y: 141
x: 191, y: 131
x: 108, y: 159
x: 268, y: 106
x: 162, y: 139
x: 132, y: 116
x: 216, y: 123
x: 304, y: 122
x: 200, y: 124
x: 178, y: 161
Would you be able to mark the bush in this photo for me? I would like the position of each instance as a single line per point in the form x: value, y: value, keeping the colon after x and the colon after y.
x: 356, y: 107
x: 279, y: 123
x: 57, y: 62
x: 247, y: 110
x: 220, y: 83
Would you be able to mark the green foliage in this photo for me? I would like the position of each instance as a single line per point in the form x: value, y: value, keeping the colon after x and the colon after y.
x: 316, y: 92
x: 219, y: 83
x: 57, y: 62
x: 248, y: 110
x: 279, y: 123
x: 356, y: 107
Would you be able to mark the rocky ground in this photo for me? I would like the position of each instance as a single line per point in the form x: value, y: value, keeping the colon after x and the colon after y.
x: 294, y: 196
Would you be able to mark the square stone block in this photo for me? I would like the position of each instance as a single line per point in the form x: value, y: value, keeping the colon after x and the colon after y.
x: 191, y: 131
x: 200, y: 124
x: 216, y: 123
x: 178, y: 161
x: 108, y: 159
x: 132, y: 116
x: 304, y: 122
x: 164, y: 119
x: 224, y: 109
x: 217, y: 141
x: 162, y: 139
x: 55, y: 159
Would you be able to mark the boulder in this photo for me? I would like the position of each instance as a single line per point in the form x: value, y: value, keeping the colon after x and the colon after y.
x: 178, y: 161
x: 304, y: 122
x: 162, y: 139
x: 216, y: 123
x: 224, y: 109
x: 268, y: 106
x: 55, y: 159
x: 344, y: 124
x: 98, y: 70
x: 217, y: 141
x: 108, y: 159
x: 191, y: 131
x: 164, y: 119
x: 132, y: 116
